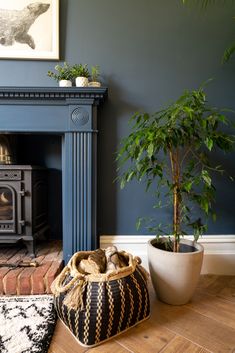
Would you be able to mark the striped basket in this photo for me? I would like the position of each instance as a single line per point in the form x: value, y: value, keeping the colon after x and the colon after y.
x: 98, y: 307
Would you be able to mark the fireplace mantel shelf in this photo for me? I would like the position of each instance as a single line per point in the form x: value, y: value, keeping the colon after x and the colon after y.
x: 38, y: 93
x: 71, y: 113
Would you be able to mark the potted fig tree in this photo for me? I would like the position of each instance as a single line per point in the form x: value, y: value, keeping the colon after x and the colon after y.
x: 170, y: 151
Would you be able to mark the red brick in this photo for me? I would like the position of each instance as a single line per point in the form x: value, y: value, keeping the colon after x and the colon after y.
x: 24, y: 281
x: 53, y: 271
x: 3, y: 272
x: 10, y: 281
x: 37, y: 279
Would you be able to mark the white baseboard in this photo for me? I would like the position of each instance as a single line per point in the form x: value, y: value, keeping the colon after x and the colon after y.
x: 219, y: 254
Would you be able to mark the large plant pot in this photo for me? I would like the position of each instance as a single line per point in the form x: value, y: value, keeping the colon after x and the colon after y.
x: 175, y: 275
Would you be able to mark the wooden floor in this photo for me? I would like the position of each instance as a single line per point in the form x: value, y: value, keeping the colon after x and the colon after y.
x: 206, y: 324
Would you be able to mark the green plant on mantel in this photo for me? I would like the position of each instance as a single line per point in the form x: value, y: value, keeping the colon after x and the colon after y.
x: 63, y: 72
x: 95, y: 73
x: 80, y: 70
x: 170, y: 151
x: 204, y: 4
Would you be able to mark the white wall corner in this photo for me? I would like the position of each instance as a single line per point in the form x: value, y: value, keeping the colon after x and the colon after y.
x: 219, y: 250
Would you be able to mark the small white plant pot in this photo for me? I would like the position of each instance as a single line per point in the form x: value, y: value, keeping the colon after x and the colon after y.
x: 65, y: 83
x: 94, y: 84
x: 81, y: 81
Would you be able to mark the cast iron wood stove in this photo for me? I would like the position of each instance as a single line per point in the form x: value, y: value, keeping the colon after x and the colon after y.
x: 23, y: 204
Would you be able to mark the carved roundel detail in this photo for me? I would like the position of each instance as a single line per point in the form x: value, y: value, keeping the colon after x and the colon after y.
x: 80, y: 116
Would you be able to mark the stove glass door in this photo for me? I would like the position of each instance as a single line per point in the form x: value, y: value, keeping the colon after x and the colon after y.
x: 7, y: 209
x: 6, y: 204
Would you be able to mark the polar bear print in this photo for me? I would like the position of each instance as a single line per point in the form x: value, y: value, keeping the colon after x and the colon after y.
x: 15, y: 24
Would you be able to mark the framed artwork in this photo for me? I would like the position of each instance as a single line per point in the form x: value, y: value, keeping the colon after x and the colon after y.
x: 29, y: 29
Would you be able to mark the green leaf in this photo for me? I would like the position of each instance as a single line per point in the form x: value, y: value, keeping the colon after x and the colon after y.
x: 228, y: 53
x: 139, y: 223
x: 209, y: 143
x: 205, y: 205
x: 213, y: 215
x: 188, y: 185
x: 130, y: 176
x: 150, y: 150
x: 123, y: 183
x: 206, y: 177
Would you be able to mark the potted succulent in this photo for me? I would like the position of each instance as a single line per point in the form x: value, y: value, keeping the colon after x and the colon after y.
x: 81, y: 74
x: 95, y: 73
x: 63, y: 75
x: 170, y: 151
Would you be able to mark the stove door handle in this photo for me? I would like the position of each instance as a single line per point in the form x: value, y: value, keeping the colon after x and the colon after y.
x: 22, y: 192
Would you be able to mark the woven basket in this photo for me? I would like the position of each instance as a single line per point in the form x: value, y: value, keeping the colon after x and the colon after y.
x: 98, y: 307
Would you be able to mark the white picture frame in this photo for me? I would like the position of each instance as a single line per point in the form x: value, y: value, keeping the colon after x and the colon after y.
x: 29, y: 29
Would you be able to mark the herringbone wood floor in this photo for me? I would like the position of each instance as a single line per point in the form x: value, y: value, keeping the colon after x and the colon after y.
x: 206, y: 324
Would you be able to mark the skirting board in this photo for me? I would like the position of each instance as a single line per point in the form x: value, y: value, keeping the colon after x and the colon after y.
x: 219, y: 250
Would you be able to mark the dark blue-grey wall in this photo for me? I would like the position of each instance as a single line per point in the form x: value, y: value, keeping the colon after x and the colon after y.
x: 149, y: 52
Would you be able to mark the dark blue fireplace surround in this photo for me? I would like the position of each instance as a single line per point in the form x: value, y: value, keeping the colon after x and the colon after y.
x: 71, y: 113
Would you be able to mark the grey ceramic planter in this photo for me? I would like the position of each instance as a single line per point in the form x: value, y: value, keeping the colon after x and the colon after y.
x: 175, y: 275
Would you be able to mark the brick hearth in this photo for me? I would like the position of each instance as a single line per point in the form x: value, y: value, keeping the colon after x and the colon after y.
x: 30, y: 280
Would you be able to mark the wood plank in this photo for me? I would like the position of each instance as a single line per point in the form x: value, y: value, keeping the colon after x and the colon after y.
x: 222, y: 286
x: 206, y: 332
x: 148, y: 334
x: 206, y: 280
x: 108, y: 347
x: 213, y: 307
x: 219, y: 283
x: 228, y: 292
x: 181, y: 345
x: 64, y: 342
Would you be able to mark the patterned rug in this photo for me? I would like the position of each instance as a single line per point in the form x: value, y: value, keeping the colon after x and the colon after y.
x: 26, y: 323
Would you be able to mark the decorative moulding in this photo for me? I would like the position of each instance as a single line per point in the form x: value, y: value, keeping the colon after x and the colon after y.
x: 219, y: 255
x: 53, y: 92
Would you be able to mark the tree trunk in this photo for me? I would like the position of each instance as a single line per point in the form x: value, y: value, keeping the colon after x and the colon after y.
x: 175, y: 167
x: 176, y: 219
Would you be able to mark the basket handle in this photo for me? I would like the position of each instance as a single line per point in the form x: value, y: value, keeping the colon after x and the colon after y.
x: 57, y: 286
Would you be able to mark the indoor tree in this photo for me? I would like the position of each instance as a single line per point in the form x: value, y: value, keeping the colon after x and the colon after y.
x: 171, y: 151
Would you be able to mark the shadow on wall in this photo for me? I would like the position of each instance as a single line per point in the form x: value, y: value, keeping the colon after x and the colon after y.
x: 224, y: 194
x: 63, y: 24
x: 115, y: 109
x: 55, y: 203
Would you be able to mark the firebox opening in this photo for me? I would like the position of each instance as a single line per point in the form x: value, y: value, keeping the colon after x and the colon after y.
x: 43, y: 150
